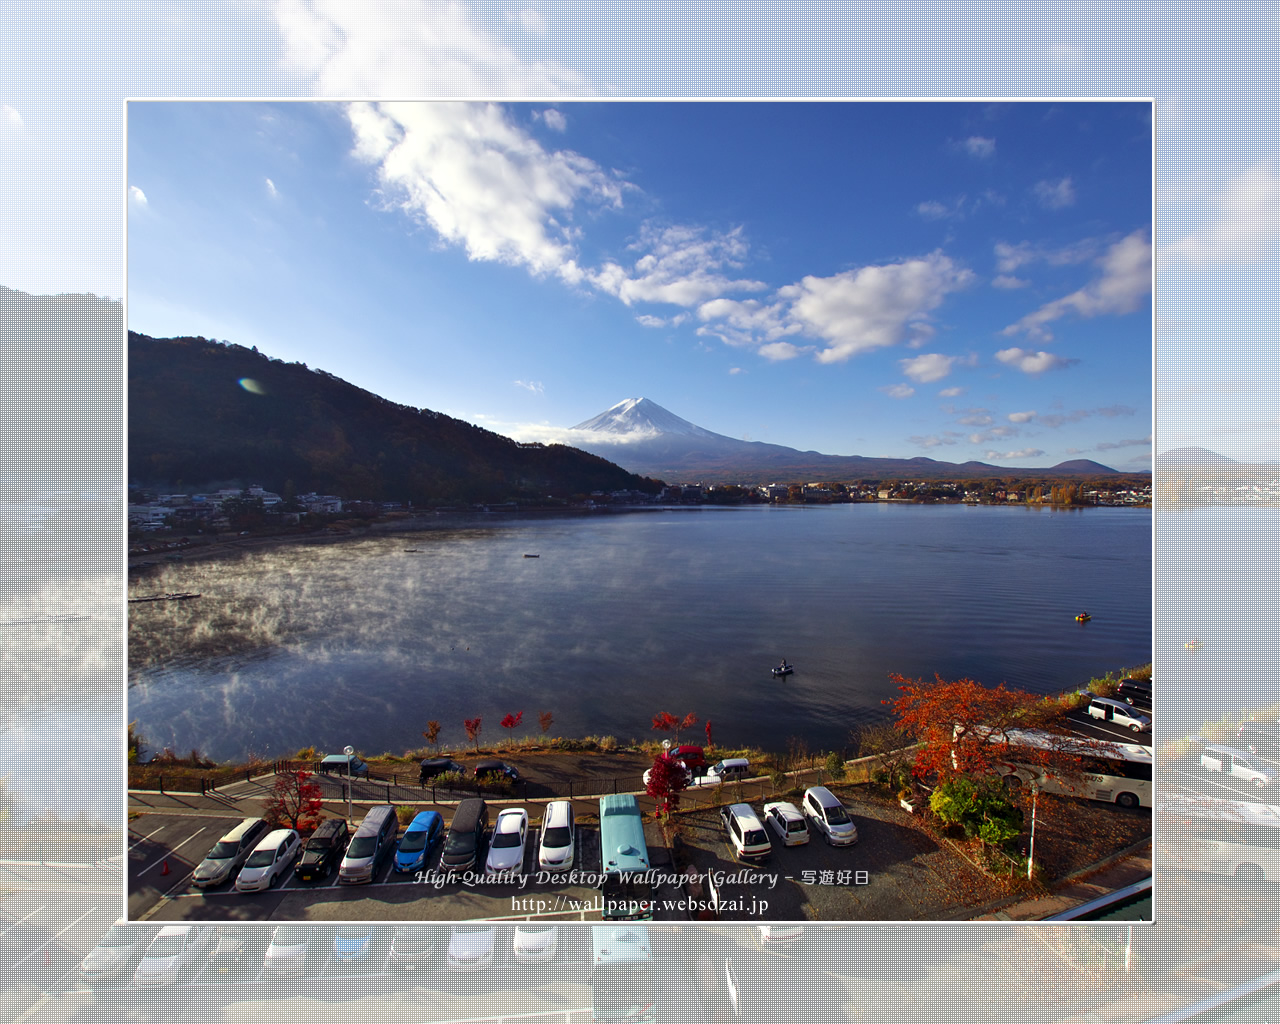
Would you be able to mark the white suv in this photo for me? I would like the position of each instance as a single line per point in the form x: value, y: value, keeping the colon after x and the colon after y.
x: 828, y: 815
x: 746, y: 835
x: 270, y: 859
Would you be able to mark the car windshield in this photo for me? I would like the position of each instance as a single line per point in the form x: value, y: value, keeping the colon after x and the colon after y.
x: 260, y: 859
x: 119, y: 935
x: 836, y: 814
x: 556, y: 837
x: 165, y: 945
x: 362, y: 847
x: 223, y: 851
x: 413, y: 842
x: 319, y: 842
x: 460, y: 842
x: 506, y: 840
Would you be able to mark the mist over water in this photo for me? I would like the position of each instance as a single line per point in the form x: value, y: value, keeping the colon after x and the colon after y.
x: 622, y: 616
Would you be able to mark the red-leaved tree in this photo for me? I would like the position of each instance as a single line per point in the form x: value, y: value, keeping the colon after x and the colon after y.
x: 664, y: 721
x: 964, y: 729
x: 510, y: 722
x: 472, y: 725
x: 666, y: 782
x: 707, y: 730
x: 295, y: 802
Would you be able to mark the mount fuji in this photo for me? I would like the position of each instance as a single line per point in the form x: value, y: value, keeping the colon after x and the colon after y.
x: 644, y: 438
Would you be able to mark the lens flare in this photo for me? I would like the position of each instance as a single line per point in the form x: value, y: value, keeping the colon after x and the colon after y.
x: 252, y: 386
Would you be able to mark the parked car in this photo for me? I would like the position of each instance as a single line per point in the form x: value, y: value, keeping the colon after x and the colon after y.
x: 434, y: 766
x: 694, y: 757
x: 535, y: 943
x: 233, y: 951
x: 323, y: 851
x: 352, y: 943
x: 558, y: 838
x: 731, y: 769
x: 419, y: 839
x: 1135, y: 691
x: 496, y: 769
x: 470, y: 947
x: 116, y: 951
x: 343, y: 764
x: 786, y: 820
x: 229, y: 854
x: 286, y: 955
x: 466, y: 834
x: 506, y: 846
x: 1118, y: 712
x: 829, y: 816
x: 271, y: 858
x: 746, y: 834
x: 370, y: 846
x: 1238, y: 764
x: 174, y: 948
x: 415, y: 946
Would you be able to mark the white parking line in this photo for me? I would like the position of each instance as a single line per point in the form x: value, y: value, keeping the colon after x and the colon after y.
x: 20, y: 920
x: 145, y: 838
x: 172, y: 851
x: 40, y: 949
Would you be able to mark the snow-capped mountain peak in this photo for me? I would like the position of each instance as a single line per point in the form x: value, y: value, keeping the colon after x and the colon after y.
x: 641, y: 416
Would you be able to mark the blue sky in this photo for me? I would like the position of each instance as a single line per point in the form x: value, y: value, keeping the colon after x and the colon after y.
x: 956, y: 280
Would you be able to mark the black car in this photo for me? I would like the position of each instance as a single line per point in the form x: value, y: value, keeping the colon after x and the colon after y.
x: 1135, y: 691
x: 323, y: 851
x: 434, y: 766
x: 488, y: 769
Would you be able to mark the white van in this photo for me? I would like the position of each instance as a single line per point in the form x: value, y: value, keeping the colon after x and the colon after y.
x: 731, y: 769
x: 829, y: 816
x: 1238, y: 764
x: 1120, y: 713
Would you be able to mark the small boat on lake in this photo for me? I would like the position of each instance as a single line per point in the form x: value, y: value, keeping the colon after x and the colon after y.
x: 1193, y: 645
x: 532, y: 556
x: 782, y: 670
x: 1083, y: 617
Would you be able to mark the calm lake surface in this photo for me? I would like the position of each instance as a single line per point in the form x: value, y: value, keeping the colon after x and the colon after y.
x: 624, y: 616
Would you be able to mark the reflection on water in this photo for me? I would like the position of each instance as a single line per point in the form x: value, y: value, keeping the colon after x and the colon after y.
x: 623, y: 616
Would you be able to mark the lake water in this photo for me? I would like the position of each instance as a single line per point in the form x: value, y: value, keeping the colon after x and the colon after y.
x: 624, y: 616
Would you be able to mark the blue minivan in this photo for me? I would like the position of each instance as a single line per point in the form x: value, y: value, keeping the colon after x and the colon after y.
x: 418, y: 840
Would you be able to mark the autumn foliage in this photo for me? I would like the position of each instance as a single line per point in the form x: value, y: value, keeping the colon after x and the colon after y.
x: 964, y: 726
x: 666, y: 781
x: 295, y: 802
x: 472, y: 726
x: 664, y: 721
x: 511, y: 721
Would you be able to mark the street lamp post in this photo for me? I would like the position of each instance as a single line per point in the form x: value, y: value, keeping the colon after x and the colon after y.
x: 349, y: 751
x: 1031, y: 850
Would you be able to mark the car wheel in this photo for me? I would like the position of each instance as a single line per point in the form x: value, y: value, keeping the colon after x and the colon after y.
x: 1128, y: 800
x: 1136, y: 728
x: 1260, y: 783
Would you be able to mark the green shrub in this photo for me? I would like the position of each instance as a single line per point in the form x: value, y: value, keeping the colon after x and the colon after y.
x: 405, y: 814
x: 609, y: 743
x: 834, y: 765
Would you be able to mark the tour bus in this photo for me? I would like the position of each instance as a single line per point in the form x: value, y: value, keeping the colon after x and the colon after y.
x: 622, y: 975
x: 1222, y: 837
x: 626, y: 892
x: 1118, y: 773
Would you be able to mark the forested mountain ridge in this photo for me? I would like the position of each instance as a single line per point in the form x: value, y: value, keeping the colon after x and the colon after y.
x: 204, y: 413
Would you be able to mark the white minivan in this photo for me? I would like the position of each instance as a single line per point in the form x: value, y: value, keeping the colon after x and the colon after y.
x: 1120, y: 713
x: 1238, y: 764
x: 270, y: 860
x: 829, y: 816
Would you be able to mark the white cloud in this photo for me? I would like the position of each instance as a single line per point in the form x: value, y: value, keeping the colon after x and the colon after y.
x: 1245, y: 227
x: 1055, y: 195
x: 735, y: 370
x: 1008, y: 281
x: 932, y: 209
x: 993, y: 433
x: 10, y: 117
x: 980, y: 147
x: 1010, y: 257
x: 1032, y: 362
x: 681, y: 265
x: 534, y: 386
x: 873, y: 307
x: 778, y: 351
x: 408, y: 48
x: 137, y: 196
x: 480, y: 182
x: 1023, y: 453
x: 932, y: 441
x: 271, y: 189
x: 927, y: 368
x: 975, y: 418
x: 555, y: 120
x: 951, y: 392
x: 1108, y: 446
x: 1122, y: 288
x: 899, y: 390
x: 1022, y: 417
x: 529, y: 20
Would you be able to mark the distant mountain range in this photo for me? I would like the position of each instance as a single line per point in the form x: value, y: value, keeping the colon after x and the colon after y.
x: 204, y: 413
x: 645, y: 438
